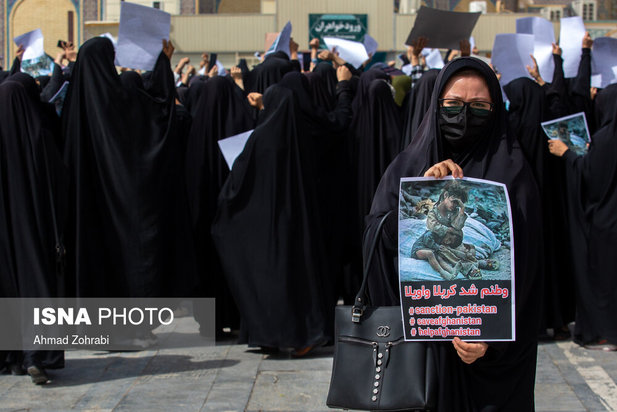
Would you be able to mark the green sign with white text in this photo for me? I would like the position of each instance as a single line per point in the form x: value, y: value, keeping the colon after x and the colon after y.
x: 345, y: 26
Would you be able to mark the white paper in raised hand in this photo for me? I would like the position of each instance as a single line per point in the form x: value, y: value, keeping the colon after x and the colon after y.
x: 140, y: 36
x: 110, y: 37
x: 231, y: 147
x: 511, y: 55
x: 433, y: 59
x: 352, y: 52
x: 370, y: 44
x: 604, y: 62
x: 281, y: 43
x: 222, y: 71
x: 544, y: 37
x: 571, y: 43
x: 33, y: 44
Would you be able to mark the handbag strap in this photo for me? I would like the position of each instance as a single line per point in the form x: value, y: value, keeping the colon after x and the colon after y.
x: 361, y: 298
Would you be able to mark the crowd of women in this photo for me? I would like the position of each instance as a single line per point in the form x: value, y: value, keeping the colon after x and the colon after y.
x: 127, y: 194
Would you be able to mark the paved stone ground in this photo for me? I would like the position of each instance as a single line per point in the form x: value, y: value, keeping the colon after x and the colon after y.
x: 183, y: 375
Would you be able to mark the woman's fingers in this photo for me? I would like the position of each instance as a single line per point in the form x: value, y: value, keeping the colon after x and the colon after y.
x: 469, y: 352
x: 443, y: 169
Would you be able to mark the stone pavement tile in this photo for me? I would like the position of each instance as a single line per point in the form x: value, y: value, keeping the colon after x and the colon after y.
x: 113, y: 381
x: 174, y: 380
x: 290, y: 391
x: 284, y: 362
x: 233, y: 383
x: 546, y: 371
x: 569, y: 373
x: 228, y: 396
x: 556, y: 397
x: 590, y: 400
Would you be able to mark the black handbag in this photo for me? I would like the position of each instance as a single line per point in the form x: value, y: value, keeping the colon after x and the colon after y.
x: 374, y: 367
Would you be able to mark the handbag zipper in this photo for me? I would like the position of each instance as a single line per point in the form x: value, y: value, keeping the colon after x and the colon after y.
x: 375, y: 345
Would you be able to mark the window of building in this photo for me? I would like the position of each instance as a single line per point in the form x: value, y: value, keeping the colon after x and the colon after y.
x: 156, y: 4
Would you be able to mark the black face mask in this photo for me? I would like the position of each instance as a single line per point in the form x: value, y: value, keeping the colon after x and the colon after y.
x: 462, y: 130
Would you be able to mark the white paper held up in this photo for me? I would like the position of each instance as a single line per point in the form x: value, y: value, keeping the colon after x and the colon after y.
x: 140, y: 36
x: 33, y: 44
x: 281, y: 43
x: 544, y: 37
x: 571, y: 42
x: 231, y: 147
x: 352, y: 52
x: 370, y: 44
x: 604, y: 62
x: 511, y: 55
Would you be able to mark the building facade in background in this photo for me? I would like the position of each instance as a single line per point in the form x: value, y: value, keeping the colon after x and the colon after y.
x: 236, y: 28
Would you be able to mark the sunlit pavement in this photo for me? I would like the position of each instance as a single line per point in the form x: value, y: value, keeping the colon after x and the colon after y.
x: 183, y: 375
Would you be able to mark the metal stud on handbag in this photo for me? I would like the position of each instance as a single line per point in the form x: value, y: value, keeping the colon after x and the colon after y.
x: 374, y: 368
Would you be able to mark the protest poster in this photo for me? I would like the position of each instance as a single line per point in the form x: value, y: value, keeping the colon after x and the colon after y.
x: 281, y: 41
x: 140, y: 35
x: 443, y: 29
x: 38, y: 66
x: 232, y: 146
x: 456, y: 260
x: 572, y: 130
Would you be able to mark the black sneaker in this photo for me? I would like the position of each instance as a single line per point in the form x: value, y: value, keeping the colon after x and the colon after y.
x: 38, y: 375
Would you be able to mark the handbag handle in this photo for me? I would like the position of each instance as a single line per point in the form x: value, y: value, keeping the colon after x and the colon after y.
x: 361, y: 298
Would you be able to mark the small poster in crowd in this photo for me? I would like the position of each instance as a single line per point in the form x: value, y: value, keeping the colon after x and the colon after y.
x: 572, y: 130
x: 456, y: 260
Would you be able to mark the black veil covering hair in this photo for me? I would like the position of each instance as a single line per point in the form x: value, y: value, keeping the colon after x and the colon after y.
x: 527, y: 110
x: 33, y: 183
x: 130, y: 229
x: 504, y: 378
x: 219, y: 111
x: 322, y: 83
x: 417, y: 104
x: 269, y: 72
x: 592, y: 186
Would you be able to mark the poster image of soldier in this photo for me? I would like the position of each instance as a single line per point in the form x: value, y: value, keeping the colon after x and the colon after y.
x: 572, y: 130
x: 454, y: 230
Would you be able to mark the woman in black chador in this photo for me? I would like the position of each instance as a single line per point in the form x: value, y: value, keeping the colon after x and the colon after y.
x: 32, y: 209
x: 129, y: 232
x: 592, y: 189
x: 466, y: 135
x: 269, y: 229
x: 220, y: 110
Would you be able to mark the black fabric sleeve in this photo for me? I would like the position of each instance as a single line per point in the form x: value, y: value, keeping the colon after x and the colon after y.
x: 55, y: 83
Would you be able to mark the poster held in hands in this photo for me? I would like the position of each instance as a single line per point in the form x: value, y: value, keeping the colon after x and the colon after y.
x: 456, y: 260
x: 572, y: 130
x: 443, y: 29
x: 140, y: 36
